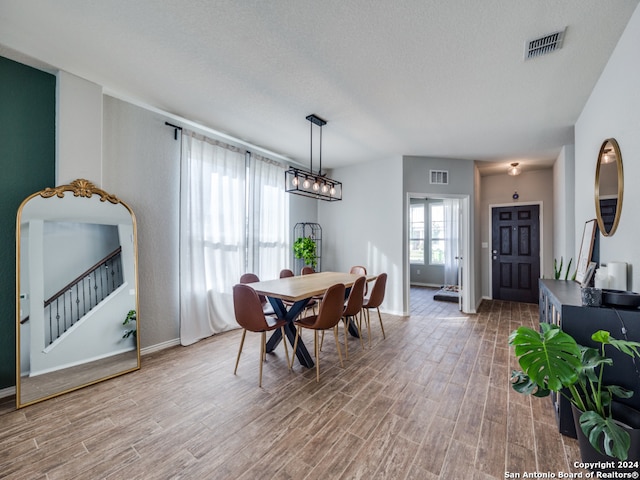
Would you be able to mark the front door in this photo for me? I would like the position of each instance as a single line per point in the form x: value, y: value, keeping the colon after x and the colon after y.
x: 515, y: 253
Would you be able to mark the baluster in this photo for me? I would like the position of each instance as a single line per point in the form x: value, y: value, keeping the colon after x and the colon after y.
x: 95, y: 288
x: 57, y: 319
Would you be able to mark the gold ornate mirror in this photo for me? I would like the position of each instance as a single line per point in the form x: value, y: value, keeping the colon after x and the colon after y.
x: 609, y: 187
x: 76, y: 283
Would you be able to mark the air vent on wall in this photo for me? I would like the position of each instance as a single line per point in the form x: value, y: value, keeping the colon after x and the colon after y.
x: 439, y: 177
x: 543, y: 45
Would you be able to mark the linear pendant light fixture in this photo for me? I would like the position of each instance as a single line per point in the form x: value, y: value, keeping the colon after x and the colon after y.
x: 309, y: 183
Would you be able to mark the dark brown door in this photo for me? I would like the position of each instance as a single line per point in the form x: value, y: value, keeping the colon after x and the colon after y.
x: 515, y: 253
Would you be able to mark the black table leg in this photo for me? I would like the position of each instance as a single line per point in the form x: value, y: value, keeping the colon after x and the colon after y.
x: 290, y: 315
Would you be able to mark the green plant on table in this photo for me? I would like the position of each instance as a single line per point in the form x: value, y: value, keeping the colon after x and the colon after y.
x: 305, y: 248
x: 552, y: 361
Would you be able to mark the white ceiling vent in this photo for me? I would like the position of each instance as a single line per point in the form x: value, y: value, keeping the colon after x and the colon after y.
x: 543, y: 45
x: 439, y: 177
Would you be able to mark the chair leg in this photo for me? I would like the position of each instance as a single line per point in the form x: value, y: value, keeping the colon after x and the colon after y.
x: 381, y: 326
x: 317, y: 351
x: 321, y: 339
x: 335, y: 334
x: 295, y: 348
x: 346, y: 332
x: 263, y: 344
x: 244, y: 332
x: 368, y: 325
x: 360, y: 330
x: 284, y: 341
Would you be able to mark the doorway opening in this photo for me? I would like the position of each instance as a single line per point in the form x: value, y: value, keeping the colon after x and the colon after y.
x: 437, y: 247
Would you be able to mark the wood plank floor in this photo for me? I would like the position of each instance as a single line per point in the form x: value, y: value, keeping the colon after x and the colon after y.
x: 432, y: 401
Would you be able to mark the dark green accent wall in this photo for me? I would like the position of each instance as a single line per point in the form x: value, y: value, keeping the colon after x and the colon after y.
x: 27, y: 164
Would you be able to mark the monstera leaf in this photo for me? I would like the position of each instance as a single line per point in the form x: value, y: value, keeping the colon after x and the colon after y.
x: 550, y: 358
x: 616, y: 440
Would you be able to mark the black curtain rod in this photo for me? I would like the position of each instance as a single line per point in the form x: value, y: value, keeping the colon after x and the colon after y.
x: 175, y: 131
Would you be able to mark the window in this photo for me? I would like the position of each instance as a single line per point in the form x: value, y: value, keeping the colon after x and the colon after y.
x: 436, y: 233
x: 416, y: 235
x: 233, y: 219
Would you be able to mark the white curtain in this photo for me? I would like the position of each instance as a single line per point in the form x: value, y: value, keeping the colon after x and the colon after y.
x: 452, y: 236
x: 268, y: 239
x: 212, y: 235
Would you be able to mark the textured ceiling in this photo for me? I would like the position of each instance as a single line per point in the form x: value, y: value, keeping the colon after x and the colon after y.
x: 392, y: 78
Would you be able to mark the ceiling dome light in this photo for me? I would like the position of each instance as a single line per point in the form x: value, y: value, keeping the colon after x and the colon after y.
x: 514, y: 169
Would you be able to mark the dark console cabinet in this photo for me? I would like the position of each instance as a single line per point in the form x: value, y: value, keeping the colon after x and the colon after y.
x: 561, y: 304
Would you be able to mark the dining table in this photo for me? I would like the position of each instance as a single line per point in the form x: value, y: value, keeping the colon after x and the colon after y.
x: 290, y: 296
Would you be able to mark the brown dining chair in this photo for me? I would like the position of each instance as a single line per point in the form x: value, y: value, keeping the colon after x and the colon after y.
x: 250, y: 317
x: 327, y: 318
x: 353, y: 308
x: 286, y: 273
x: 360, y: 270
x: 253, y: 278
x: 374, y: 301
x: 316, y: 299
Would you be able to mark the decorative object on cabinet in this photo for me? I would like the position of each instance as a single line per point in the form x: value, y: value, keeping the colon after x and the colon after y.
x: 617, y: 275
x: 586, y: 249
x: 591, y: 269
x: 621, y: 299
x: 609, y: 187
x: 553, y: 361
x: 76, y: 278
x: 557, y: 269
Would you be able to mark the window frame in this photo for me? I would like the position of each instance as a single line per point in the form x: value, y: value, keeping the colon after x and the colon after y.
x: 412, y: 238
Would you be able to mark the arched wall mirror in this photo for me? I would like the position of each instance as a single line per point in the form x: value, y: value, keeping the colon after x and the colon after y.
x: 76, y: 284
x: 609, y: 187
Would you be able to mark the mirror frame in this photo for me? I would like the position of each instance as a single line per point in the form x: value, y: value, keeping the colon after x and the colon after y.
x: 82, y: 189
x: 616, y: 219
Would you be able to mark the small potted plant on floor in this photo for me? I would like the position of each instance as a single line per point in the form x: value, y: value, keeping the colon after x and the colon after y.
x: 552, y: 361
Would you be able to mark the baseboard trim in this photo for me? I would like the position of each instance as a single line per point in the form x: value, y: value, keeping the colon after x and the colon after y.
x: 160, y: 346
x: 7, y: 392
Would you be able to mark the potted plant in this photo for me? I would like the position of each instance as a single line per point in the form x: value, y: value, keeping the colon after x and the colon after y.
x: 552, y: 361
x: 305, y: 248
x: 130, y: 321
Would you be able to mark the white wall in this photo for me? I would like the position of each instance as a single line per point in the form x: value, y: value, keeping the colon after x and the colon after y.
x: 142, y: 167
x: 366, y: 227
x: 78, y: 129
x: 564, y: 205
x: 532, y: 187
x: 613, y: 110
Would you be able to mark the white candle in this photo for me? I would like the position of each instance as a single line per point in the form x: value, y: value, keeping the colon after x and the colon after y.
x: 617, y: 275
